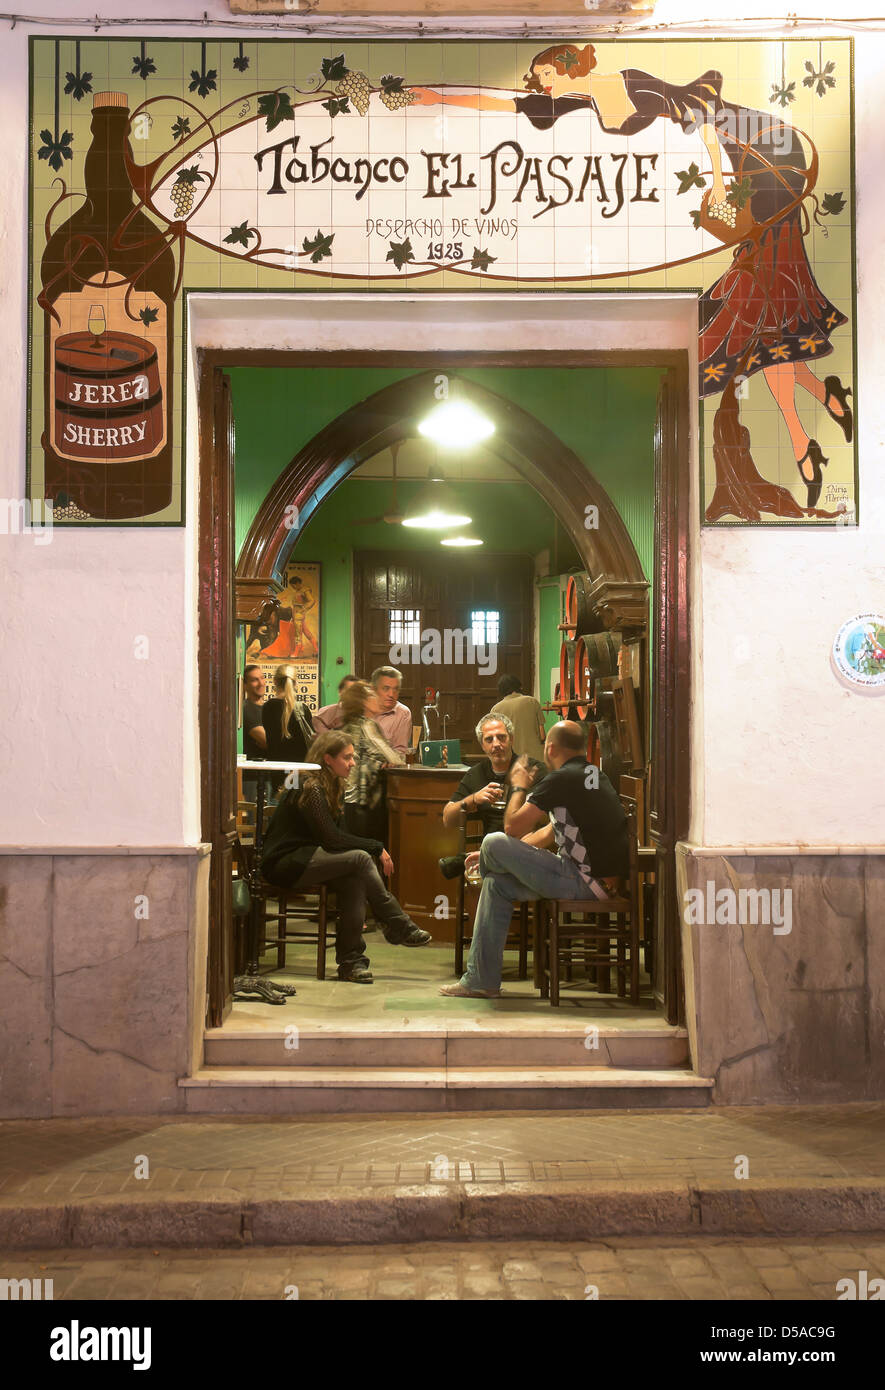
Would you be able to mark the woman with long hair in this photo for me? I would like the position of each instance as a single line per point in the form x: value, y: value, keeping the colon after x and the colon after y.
x: 366, y: 794
x: 306, y: 845
x: 766, y: 313
x: 286, y: 721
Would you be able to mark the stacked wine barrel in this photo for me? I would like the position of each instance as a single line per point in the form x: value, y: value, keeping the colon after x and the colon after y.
x: 594, y: 686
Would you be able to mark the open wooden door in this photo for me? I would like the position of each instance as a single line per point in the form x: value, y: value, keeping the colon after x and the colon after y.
x: 217, y: 680
x: 669, y: 781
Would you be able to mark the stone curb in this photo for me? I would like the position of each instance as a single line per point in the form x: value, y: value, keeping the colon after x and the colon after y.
x: 466, y: 1211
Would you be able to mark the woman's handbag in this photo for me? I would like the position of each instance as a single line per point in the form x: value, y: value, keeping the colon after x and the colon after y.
x: 242, y: 898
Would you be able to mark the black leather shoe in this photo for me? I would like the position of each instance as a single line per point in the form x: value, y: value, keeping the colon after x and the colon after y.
x: 840, y: 393
x: 412, y: 936
x: 815, y: 456
x: 452, y: 865
x: 358, y: 975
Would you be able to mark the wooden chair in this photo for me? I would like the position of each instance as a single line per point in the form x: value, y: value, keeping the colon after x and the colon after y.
x: 301, y: 917
x: 605, y: 924
x: 469, y: 841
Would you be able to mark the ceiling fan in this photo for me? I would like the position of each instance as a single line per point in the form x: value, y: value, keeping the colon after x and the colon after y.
x: 393, y: 516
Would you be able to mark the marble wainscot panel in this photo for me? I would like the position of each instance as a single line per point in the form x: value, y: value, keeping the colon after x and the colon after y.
x: 786, y: 1015
x: 104, y: 998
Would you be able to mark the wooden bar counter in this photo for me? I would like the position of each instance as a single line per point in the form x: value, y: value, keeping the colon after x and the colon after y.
x: 417, y: 838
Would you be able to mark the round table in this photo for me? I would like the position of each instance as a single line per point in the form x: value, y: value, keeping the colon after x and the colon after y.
x: 251, y: 982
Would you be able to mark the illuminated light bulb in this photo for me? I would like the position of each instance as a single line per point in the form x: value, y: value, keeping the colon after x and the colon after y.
x: 456, y: 425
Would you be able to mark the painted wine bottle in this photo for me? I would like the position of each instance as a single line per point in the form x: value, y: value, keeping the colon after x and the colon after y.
x: 108, y: 284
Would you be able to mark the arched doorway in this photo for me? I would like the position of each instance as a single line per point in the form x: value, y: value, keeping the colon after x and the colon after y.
x: 391, y: 415
x: 536, y: 453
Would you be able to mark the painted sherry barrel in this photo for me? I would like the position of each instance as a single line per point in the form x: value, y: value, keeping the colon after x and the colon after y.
x: 108, y: 398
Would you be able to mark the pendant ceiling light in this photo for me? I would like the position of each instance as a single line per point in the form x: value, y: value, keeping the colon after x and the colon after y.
x: 461, y: 540
x: 456, y: 424
x: 435, y: 507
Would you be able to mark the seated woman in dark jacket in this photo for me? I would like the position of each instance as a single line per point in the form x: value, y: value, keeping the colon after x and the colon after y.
x: 306, y: 845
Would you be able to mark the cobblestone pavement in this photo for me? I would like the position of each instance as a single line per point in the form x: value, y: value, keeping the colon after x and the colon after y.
x: 73, y: 1159
x: 628, y: 1269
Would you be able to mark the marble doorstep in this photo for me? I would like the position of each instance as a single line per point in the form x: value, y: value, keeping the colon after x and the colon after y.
x: 471, y: 1047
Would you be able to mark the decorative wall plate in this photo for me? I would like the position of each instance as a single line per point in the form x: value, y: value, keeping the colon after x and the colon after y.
x: 858, y: 654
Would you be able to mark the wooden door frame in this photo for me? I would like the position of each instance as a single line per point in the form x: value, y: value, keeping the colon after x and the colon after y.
x: 263, y: 546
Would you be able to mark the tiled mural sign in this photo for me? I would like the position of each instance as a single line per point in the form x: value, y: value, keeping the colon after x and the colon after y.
x: 721, y: 168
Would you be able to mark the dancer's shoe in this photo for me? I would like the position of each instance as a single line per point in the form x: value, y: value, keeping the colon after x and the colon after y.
x: 840, y: 393
x: 814, y: 454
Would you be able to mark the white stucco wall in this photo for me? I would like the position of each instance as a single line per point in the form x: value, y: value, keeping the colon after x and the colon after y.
x: 99, y: 748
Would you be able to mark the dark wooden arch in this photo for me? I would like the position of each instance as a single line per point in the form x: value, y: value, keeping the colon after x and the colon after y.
x: 392, y: 414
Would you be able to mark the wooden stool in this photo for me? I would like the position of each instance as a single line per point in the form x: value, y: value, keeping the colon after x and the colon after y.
x: 300, y: 917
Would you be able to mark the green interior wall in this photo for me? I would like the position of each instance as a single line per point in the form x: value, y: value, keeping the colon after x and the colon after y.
x: 605, y: 415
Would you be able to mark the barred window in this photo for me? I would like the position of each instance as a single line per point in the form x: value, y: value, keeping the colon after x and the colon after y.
x: 405, y: 627
x: 485, y: 627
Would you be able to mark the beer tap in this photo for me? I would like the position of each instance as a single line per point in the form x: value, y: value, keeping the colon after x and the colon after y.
x: 429, y: 704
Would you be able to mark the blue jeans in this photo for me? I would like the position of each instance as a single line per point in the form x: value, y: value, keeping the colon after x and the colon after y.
x: 511, y: 872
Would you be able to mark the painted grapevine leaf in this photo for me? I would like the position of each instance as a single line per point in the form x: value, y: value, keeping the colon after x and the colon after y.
x: 319, y: 246
x: 481, y: 259
x: 690, y: 178
x: 821, y: 78
x: 334, y: 68
x: 400, y: 253
x: 239, y: 235
x: 337, y: 106
x: 740, y: 193
x: 56, y: 151
x: 276, y: 107
x: 148, y: 316
x: 143, y: 67
x: 833, y: 203
x: 77, y: 84
x: 203, y: 82
x: 181, y: 127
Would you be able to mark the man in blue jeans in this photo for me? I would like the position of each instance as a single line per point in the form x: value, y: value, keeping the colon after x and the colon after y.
x: 585, y: 820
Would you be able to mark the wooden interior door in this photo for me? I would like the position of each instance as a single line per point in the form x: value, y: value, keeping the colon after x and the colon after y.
x: 218, y: 683
x: 669, y: 778
x: 445, y: 590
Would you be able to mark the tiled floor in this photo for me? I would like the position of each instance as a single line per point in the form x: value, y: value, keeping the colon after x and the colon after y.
x: 405, y: 995
x: 61, y: 1159
x: 628, y: 1269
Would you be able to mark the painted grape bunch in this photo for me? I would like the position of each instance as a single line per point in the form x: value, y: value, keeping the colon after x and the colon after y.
x: 392, y: 93
x: 355, y: 85
x: 182, y: 191
x: 68, y: 511
x: 724, y: 212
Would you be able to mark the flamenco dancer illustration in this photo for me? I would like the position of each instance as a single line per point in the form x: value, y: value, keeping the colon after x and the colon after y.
x: 766, y: 313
